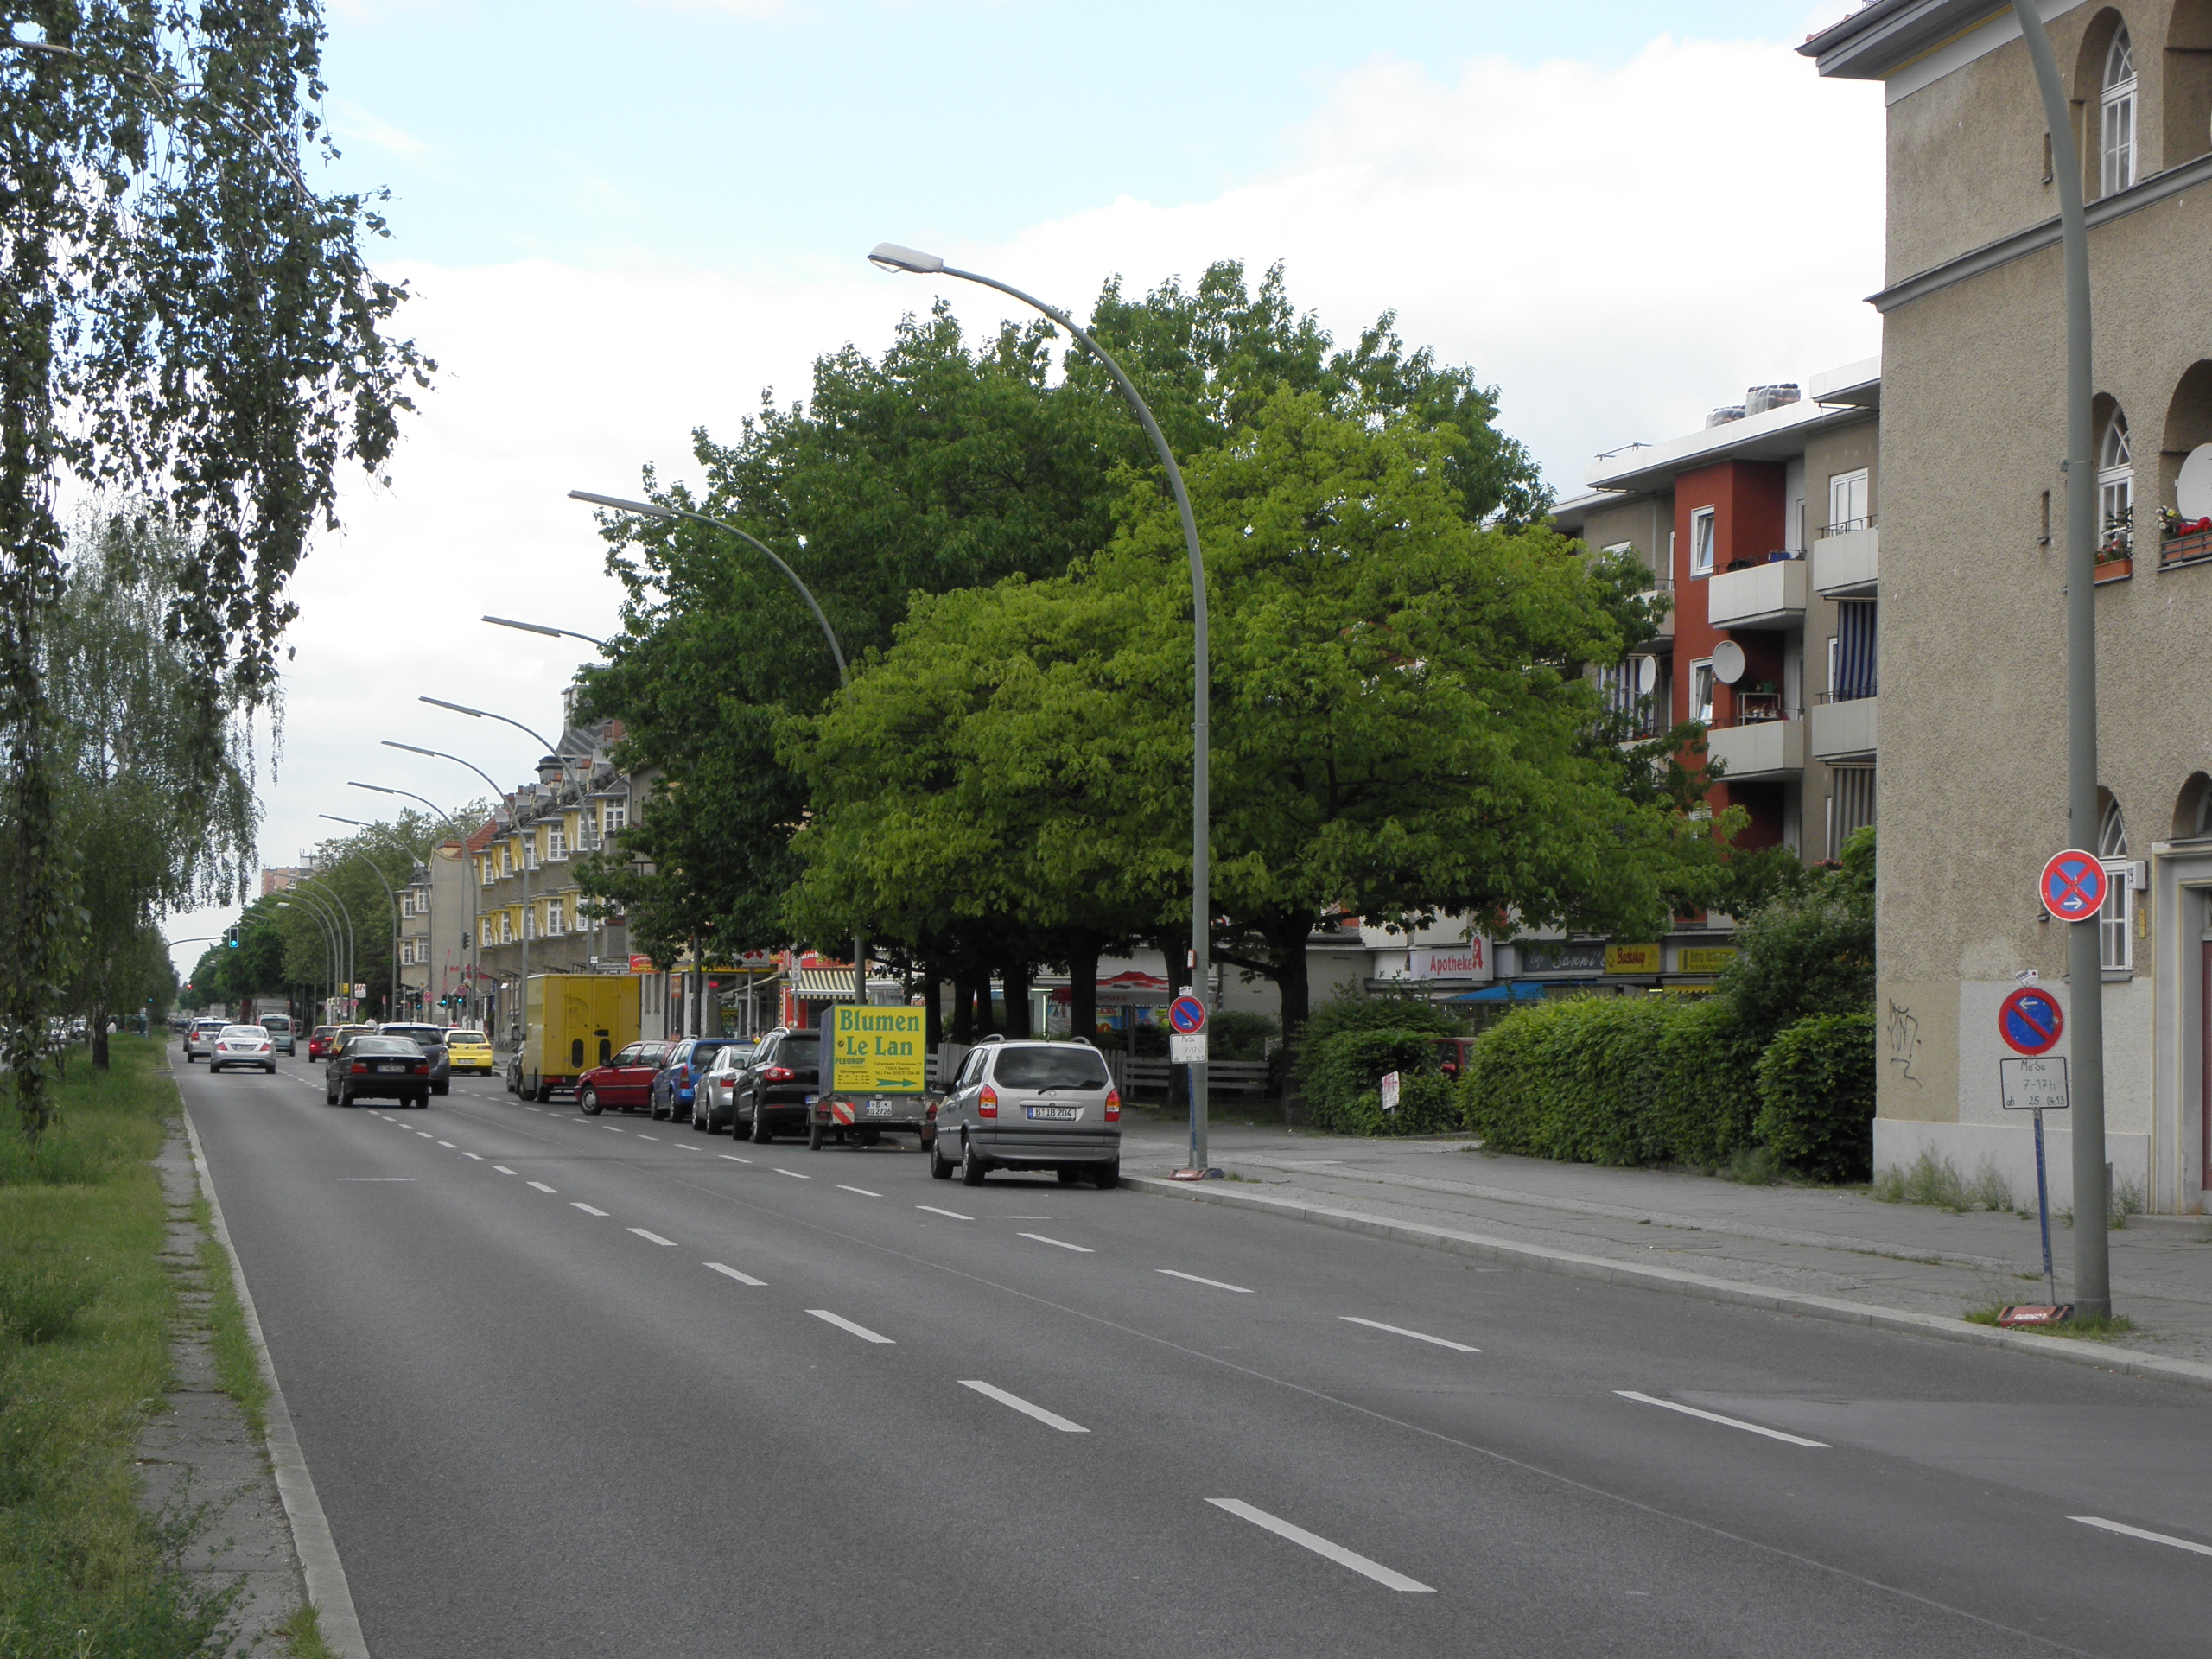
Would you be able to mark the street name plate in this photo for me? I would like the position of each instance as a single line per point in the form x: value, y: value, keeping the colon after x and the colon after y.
x: 2033, y: 1085
x: 1187, y: 1049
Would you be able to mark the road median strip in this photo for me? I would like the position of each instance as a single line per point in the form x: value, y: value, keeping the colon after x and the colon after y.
x: 1538, y: 1258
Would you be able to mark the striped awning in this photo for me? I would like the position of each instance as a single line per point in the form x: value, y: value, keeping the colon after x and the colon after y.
x: 823, y: 985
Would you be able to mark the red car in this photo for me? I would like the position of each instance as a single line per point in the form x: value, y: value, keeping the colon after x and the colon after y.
x: 318, y: 1042
x: 625, y: 1081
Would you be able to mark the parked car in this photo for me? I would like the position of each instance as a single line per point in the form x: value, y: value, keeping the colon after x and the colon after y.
x: 681, y: 1068
x: 281, y: 1035
x: 200, y: 1042
x: 777, y: 1085
x: 469, y: 1051
x: 431, y: 1039
x: 318, y: 1042
x: 242, y: 1045
x: 371, y: 1065
x: 714, y: 1098
x: 625, y: 1082
x: 1022, y: 1104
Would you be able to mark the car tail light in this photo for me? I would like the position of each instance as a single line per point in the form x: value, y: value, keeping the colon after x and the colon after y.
x: 987, y: 1103
x: 361, y: 1065
x: 1113, y: 1105
x: 777, y: 1074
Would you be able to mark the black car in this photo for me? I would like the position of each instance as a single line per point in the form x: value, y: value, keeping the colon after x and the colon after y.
x: 375, y: 1066
x: 431, y: 1039
x: 777, y: 1085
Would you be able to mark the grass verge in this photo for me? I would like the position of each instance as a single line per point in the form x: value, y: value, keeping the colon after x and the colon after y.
x: 2105, y: 1330
x: 304, y: 1631
x: 238, y: 1363
x: 84, y: 1357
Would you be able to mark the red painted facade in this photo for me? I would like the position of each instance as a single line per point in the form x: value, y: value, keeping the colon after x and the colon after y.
x: 1749, y: 513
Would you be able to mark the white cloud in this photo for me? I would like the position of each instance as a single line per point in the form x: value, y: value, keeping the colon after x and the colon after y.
x: 1619, y: 248
x: 351, y: 121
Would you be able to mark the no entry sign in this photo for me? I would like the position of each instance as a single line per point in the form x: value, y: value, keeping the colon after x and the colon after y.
x: 2073, y: 886
x: 2030, y: 1021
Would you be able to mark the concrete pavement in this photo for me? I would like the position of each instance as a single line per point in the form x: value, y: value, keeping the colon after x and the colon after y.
x: 576, y: 1385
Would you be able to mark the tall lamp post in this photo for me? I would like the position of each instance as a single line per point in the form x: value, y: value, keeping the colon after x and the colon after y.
x: 2084, y: 957
x: 329, y: 944
x: 889, y: 256
x: 388, y: 891
x: 452, y: 820
x: 498, y: 794
x: 655, y: 510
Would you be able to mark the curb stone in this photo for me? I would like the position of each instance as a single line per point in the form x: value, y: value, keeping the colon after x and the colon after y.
x: 318, y: 1551
x: 1704, y: 1287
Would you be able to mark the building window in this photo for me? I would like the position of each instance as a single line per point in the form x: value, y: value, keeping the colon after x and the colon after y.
x: 1630, y: 694
x: 506, y: 928
x: 556, y: 843
x: 529, y: 851
x: 506, y: 859
x: 1850, y: 803
x: 1847, y: 503
x: 2115, y: 943
x: 553, y: 916
x: 484, y: 931
x: 1701, y: 541
x: 2118, y: 171
x: 1701, y: 692
x: 1851, y: 652
x: 612, y: 817
x: 2115, y: 489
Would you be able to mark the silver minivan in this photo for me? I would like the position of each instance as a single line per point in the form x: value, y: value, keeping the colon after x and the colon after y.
x: 1017, y: 1103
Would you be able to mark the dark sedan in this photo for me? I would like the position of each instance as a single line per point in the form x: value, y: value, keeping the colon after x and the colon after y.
x: 431, y: 1039
x: 373, y: 1066
x: 775, y: 1090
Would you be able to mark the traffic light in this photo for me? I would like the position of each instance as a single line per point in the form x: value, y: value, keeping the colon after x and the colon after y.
x: 230, y: 936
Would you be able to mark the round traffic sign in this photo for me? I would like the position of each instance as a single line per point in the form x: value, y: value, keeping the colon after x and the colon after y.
x: 2073, y: 886
x: 2030, y: 1021
x: 1187, y: 1014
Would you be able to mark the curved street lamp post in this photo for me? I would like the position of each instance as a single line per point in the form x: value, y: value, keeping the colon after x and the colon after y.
x: 890, y: 256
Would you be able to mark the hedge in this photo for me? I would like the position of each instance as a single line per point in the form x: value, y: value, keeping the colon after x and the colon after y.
x: 1615, y: 1080
x: 1817, y: 1081
x: 1343, y: 1077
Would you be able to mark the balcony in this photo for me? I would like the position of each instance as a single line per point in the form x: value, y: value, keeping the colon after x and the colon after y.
x: 1770, y: 595
x: 1846, y: 564
x: 1761, y: 749
x: 1844, y: 731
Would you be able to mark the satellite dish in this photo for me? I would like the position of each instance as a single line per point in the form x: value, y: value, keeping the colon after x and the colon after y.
x: 2193, y: 489
x: 1727, y: 662
x: 1647, y: 676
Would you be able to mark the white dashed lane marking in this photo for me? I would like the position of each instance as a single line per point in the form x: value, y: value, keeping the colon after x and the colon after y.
x: 653, y: 1238
x: 1401, y: 1330
x: 1084, y: 1248
x: 1715, y: 1417
x: 1195, y: 1279
x: 1051, y: 1420
x: 542, y: 1187
x: 732, y: 1273
x: 842, y: 1324
x: 586, y: 1208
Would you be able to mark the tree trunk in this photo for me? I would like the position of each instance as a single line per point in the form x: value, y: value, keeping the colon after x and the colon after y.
x: 963, y: 1008
x: 1082, y: 988
x: 1175, y: 952
x: 1013, y: 978
x: 932, y: 1013
x: 99, y: 1035
x: 1293, y: 990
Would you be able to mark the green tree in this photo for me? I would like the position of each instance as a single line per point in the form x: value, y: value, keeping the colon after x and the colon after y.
x: 186, y: 319
x: 1810, y: 950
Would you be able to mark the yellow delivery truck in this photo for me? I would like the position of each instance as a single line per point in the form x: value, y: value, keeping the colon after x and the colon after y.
x: 571, y: 1022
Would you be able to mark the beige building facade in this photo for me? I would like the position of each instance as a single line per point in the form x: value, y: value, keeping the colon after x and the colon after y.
x: 1972, y: 627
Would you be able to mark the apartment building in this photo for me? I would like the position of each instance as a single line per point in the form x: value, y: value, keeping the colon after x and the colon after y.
x: 1973, y: 632
x: 414, y: 999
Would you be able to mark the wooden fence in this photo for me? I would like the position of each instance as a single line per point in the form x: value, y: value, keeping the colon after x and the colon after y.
x: 1139, y: 1077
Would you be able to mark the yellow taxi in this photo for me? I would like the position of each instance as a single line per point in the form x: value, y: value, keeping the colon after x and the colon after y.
x: 468, y: 1050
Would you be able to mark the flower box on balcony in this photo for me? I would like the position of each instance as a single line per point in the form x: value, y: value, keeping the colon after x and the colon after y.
x: 2194, y: 548
x: 2114, y: 570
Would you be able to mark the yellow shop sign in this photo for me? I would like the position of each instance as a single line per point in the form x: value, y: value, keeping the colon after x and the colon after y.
x: 1631, y: 958
x: 1705, y: 958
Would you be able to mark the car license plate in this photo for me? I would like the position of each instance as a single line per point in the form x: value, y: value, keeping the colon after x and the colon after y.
x: 1057, y: 1114
x: 811, y: 1099
x: 879, y: 1108
x: 391, y: 1068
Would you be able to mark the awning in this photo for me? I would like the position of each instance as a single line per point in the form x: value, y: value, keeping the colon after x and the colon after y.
x: 823, y: 985
x: 1134, y: 988
x: 1507, y: 990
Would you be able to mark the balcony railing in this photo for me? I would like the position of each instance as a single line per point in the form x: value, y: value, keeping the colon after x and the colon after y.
x: 1845, y: 728
x: 1768, y: 594
x: 1758, y: 748
x: 1846, y: 564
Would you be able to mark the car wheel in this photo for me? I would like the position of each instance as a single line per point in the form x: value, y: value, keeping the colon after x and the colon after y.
x: 442, y: 1088
x: 329, y: 1094
x: 940, y: 1170
x: 588, y: 1101
x: 423, y: 1102
x: 1068, y: 1177
x: 270, y: 1068
x: 530, y: 1090
x: 510, y: 1083
x: 762, y: 1134
x: 814, y: 1133
x: 971, y: 1166
x: 345, y: 1096
x: 1108, y: 1176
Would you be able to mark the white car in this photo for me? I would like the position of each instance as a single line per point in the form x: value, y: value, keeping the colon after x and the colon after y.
x: 243, y: 1046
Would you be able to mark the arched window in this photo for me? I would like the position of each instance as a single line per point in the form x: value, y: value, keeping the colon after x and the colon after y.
x: 2117, y: 169
x: 2112, y: 831
x: 2115, y: 488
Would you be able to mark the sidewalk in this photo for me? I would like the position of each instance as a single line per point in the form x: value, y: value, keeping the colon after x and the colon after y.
x: 1838, y: 1246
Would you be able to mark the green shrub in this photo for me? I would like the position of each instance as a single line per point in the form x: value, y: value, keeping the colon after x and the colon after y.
x: 1343, y: 1083
x: 1236, y: 1036
x: 1810, y: 950
x: 1615, y: 1080
x: 1352, y: 1009
x: 1816, y: 1089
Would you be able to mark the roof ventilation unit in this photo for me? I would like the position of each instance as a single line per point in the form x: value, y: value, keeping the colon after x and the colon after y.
x: 1722, y: 416
x: 1759, y: 399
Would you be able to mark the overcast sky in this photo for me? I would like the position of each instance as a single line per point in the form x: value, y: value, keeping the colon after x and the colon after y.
x: 625, y: 219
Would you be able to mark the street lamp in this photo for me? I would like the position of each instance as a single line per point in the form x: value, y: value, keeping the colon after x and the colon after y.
x: 392, y: 1000
x: 890, y: 256
x: 539, y: 627
x: 451, y: 819
x: 553, y: 749
x: 654, y: 510
x: 2084, y: 957
x: 330, y: 973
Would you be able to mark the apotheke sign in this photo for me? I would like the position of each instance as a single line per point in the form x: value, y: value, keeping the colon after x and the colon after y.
x: 1468, y: 961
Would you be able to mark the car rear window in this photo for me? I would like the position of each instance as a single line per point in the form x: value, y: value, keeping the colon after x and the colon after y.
x: 465, y: 1037
x: 799, y: 1052
x: 1050, y: 1068
x: 384, y: 1045
x: 417, y: 1034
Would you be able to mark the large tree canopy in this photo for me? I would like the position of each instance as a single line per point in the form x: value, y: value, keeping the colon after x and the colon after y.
x: 185, y: 319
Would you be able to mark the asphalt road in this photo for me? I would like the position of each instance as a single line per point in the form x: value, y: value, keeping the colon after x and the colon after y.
x: 581, y: 1386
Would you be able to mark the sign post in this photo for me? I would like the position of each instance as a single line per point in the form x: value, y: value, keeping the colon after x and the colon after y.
x: 1186, y: 1046
x: 2030, y: 1023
